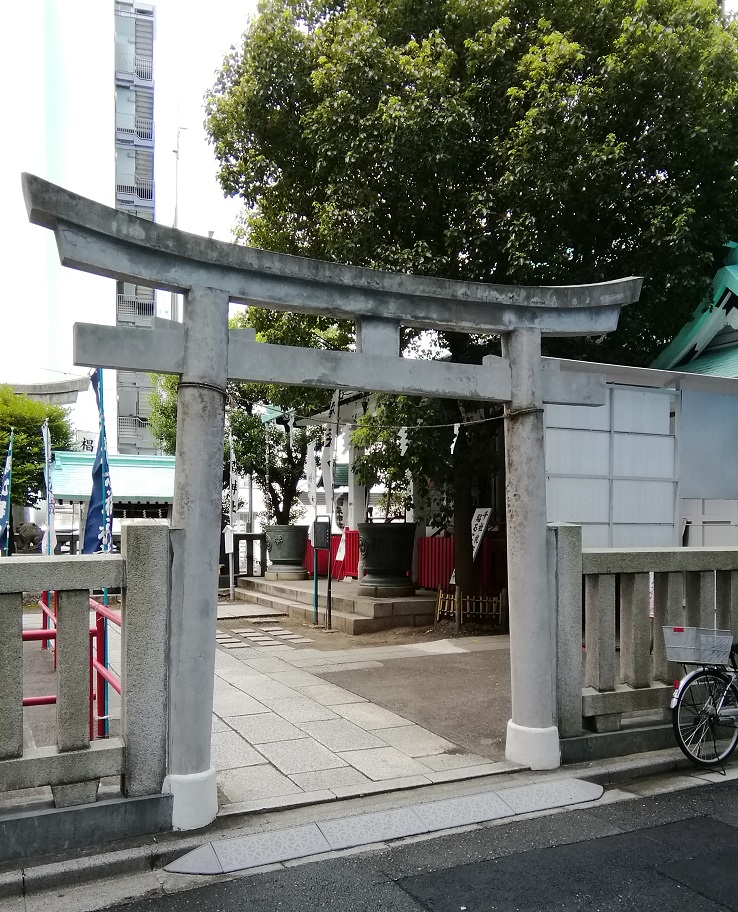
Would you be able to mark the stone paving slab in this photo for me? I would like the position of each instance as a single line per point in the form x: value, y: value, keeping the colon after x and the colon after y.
x: 415, y: 741
x: 265, y: 728
x: 256, y: 783
x: 333, y: 779
x: 340, y: 735
x: 330, y: 695
x: 230, y: 751
x: 384, y: 763
x: 301, y: 756
x: 370, y: 716
x: 300, y: 709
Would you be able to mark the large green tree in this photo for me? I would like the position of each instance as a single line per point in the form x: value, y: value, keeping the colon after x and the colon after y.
x: 506, y: 141
x: 512, y: 141
x: 25, y: 416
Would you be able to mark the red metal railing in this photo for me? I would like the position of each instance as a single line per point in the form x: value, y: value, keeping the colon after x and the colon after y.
x: 349, y: 566
x: 99, y: 672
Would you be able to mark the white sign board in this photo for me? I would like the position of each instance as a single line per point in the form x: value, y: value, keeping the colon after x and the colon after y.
x: 341, y: 552
x: 228, y: 536
x: 480, y: 521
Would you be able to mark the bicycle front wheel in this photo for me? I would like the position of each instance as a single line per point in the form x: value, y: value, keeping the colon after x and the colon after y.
x: 705, y: 718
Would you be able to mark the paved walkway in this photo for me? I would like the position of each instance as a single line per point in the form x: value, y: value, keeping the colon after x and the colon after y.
x: 284, y: 735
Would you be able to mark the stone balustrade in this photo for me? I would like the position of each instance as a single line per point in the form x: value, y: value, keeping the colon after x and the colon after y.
x: 624, y: 668
x: 74, y: 766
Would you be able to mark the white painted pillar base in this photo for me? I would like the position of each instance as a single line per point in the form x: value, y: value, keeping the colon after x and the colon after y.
x: 537, y: 748
x: 195, y: 799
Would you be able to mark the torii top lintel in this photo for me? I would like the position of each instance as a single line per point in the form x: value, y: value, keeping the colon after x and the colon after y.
x: 97, y: 239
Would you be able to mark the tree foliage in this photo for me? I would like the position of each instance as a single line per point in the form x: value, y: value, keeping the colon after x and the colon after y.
x: 506, y: 141
x: 510, y: 141
x: 25, y: 416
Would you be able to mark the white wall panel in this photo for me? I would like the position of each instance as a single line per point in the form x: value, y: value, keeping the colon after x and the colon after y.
x: 643, y: 502
x: 646, y: 411
x: 631, y: 535
x: 596, y: 418
x: 577, y: 500
x: 573, y: 452
x: 595, y: 536
x: 643, y: 455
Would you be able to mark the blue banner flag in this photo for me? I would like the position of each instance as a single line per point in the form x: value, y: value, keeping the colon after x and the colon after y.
x: 5, y: 497
x: 99, y: 525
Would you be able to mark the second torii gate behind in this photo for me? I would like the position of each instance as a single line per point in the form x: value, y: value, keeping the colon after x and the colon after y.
x: 210, y: 274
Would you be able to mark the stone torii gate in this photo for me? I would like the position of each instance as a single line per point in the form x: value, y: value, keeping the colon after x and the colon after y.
x: 205, y: 354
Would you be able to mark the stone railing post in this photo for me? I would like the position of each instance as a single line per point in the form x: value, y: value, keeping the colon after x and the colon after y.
x: 635, y: 630
x: 145, y: 621
x: 73, y: 689
x: 668, y: 609
x: 11, y: 675
x: 726, y: 600
x: 565, y: 574
x: 699, y: 598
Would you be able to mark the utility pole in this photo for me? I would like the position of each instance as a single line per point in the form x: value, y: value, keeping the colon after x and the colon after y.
x: 174, y: 308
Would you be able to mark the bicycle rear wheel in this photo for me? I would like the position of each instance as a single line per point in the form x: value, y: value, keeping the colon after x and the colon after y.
x: 705, y: 718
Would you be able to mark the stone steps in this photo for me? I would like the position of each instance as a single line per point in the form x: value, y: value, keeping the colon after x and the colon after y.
x: 349, y: 613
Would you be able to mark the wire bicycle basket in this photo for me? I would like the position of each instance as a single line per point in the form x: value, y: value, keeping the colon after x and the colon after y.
x: 698, y: 645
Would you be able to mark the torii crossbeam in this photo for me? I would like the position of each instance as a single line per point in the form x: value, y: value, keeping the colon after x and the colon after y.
x: 211, y: 274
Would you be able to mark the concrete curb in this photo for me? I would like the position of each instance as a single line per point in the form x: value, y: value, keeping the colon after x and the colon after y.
x: 73, y: 870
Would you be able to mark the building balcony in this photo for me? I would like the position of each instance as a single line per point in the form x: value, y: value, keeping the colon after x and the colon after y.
x: 132, y: 70
x: 134, y: 191
x: 133, y: 430
x: 134, y: 131
x: 135, y: 310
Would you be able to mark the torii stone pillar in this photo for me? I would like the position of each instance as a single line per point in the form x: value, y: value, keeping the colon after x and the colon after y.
x: 205, y: 354
x: 199, y: 469
x: 532, y: 736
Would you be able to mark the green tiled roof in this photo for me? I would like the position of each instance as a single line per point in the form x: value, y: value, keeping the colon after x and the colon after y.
x: 134, y: 479
x: 719, y: 363
x: 708, y: 319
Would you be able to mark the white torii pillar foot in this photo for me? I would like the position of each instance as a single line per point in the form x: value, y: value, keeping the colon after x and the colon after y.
x: 195, y: 799
x: 537, y: 748
x: 532, y: 736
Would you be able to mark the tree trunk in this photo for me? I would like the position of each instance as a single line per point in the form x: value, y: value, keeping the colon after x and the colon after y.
x: 463, y: 516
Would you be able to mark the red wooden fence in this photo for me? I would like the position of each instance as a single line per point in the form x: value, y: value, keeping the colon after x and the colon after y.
x: 436, y: 563
x: 350, y: 565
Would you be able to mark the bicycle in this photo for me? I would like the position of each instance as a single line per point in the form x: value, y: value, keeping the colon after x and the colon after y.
x: 705, y: 702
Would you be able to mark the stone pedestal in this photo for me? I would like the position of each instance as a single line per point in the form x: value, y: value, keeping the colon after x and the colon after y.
x: 286, y: 547
x: 387, y: 553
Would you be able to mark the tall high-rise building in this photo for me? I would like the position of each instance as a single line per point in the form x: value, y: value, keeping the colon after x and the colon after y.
x: 134, y: 193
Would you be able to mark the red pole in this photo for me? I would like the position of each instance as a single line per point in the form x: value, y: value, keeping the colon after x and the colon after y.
x: 91, y: 718
x: 53, y: 595
x: 44, y: 620
x: 100, y: 689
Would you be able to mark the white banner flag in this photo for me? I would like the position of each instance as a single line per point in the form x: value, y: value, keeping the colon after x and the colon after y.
x: 312, y: 473
x: 48, y: 545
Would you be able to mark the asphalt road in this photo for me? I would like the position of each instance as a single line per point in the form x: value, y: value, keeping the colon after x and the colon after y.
x: 677, y: 852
